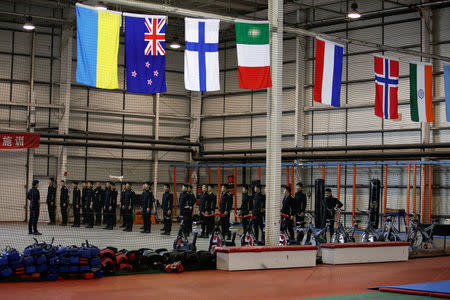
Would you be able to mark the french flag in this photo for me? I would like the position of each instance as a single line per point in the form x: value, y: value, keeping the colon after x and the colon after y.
x: 327, y: 79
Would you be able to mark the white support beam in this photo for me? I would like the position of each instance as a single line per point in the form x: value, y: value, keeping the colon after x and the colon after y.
x: 195, y: 125
x: 274, y: 124
x: 156, y: 135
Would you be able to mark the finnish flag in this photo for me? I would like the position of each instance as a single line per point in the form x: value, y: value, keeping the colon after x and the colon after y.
x: 201, y: 55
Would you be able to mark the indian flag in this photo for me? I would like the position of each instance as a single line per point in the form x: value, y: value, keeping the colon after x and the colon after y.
x: 420, y: 80
x: 253, y: 52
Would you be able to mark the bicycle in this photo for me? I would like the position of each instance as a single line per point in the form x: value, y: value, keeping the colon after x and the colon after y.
x: 314, y: 237
x: 390, y: 232
x: 217, y: 238
x: 418, y: 236
x: 248, y: 236
x: 342, y: 235
x: 181, y: 242
x: 285, y: 238
x: 371, y: 234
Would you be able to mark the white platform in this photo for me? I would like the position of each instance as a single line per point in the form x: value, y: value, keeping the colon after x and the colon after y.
x: 359, y: 253
x: 265, y: 258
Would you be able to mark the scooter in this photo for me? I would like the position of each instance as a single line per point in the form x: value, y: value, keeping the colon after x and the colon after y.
x: 181, y: 242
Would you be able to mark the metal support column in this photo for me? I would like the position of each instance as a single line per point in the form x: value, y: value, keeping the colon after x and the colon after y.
x: 64, y: 96
x: 274, y: 106
x: 156, y: 134
x: 194, y: 132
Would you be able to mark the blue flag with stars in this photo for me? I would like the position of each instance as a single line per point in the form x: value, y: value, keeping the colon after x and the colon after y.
x: 145, y: 54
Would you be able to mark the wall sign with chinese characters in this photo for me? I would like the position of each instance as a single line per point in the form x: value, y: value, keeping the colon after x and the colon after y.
x: 19, y: 140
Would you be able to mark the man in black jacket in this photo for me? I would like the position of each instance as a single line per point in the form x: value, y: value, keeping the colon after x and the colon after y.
x: 210, y: 209
x: 226, y: 203
x: 202, y: 209
x: 114, y: 194
x: 246, y: 206
x: 51, y: 201
x: 192, y: 202
x: 299, y: 203
x: 107, y: 209
x: 89, y: 205
x: 98, y: 203
x: 128, y: 197
x: 76, y: 204
x: 122, y: 196
x: 185, y: 209
x: 287, y: 208
x: 147, y: 199
x: 35, y: 199
x: 259, y: 205
x: 83, y: 202
x: 64, y: 202
x: 167, y: 207
x: 329, y: 205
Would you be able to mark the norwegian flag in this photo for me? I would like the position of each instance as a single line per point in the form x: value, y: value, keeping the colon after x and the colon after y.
x: 156, y: 36
x: 144, y: 53
x: 386, y: 87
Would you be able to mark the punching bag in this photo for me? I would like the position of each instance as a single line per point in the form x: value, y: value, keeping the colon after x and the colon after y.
x: 374, y: 202
x: 319, y: 188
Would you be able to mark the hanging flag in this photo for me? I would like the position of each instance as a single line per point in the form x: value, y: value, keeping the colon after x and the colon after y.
x: 145, y: 54
x: 201, y: 55
x: 253, y: 53
x: 386, y: 87
x: 420, y: 83
x: 447, y: 90
x: 97, y: 46
x: 327, y: 79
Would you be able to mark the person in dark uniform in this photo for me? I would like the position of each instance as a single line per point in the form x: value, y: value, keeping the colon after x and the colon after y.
x: 51, y: 201
x: 299, y: 203
x: 76, y: 204
x: 259, y: 204
x: 35, y: 200
x: 167, y: 207
x: 185, y: 210
x: 192, y: 202
x: 210, y: 209
x: 89, y: 206
x: 107, y: 209
x: 83, y: 202
x: 202, y: 209
x: 329, y: 205
x: 128, y: 197
x: 287, y: 208
x: 64, y: 202
x: 147, y: 199
x: 113, y: 204
x: 246, y: 206
x: 98, y: 203
x: 122, y: 196
x: 226, y: 202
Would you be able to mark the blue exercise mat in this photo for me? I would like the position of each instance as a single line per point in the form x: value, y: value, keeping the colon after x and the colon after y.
x: 442, y: 287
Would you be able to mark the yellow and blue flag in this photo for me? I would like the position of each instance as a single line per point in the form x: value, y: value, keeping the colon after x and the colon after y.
x: 98, y: 34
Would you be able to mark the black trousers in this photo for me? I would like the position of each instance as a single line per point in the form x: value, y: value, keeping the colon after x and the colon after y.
x: 225, y: 224
x: 146, y: 216
x: 64, y: 215
x: 128, y: 218
x: 187, y: 220
x: 245, y: 223
x: 90, y: 216
x: 76, y: 216
x: 51, y: 212
x: 288, y: 227
x: 210, y: 225
x: 32, y: 222
x: 98, y: 214
x: 113, y: 217
x: 204, y: 221
x: 167, y: 222
x: 84, y: 213
x: 257, y: 225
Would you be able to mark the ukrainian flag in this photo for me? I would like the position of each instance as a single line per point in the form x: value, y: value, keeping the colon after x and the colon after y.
x: 97, y: 46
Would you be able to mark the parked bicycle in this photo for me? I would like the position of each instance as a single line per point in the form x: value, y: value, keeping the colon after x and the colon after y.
x: 248, y: 236
x: 371, y: 234
x: 217, y: 238
x: 312, y: 236
x: 390, y: 232
x: 342, y: 235
x: 418, y: 236
x: 285, y: 237
x: 181, y: 242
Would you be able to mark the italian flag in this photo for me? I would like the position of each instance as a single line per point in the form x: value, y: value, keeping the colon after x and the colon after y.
x: 420, y: 81
x: 253, y: 52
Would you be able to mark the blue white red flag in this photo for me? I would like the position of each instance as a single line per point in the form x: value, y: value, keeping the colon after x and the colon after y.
x: 386, y: 87
x: 145, y: 54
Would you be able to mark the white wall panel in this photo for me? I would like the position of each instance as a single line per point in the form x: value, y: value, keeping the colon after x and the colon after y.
x: 329, y: 121
x: 138, y: 126
x: 174, y: 106
x: 363, y: 119
x: 137, y: 154
x: 75, y: 168
x: 107, y: 124
x: 212, y: 128
x: 232, y: 82
x: 288, y: 125
x: 96, y: 169
x: 21, y: 67
x: 259, y: 125
x: 42, y: 93
x: 239, y: 126
x: 77, y: 121
x: 260, y: 102
x: 173, y: 156
x: 329, y: 140
x: 6, y: 40
x: 104, y: 152
x: 22, y: 42
x: 237, y: 104
x: 4, y: 94
x: 404, y: 120
x: 78, y: 96
x: 364, y: 139
x: 139, y: 103
x: 175, y: 83
x: 5, y: 65
x: 172, y: 129
x: 361, y: 93
x: 237, y: 144
x: 402, y: 137
x: 103, y: 99
x: 213, y: 105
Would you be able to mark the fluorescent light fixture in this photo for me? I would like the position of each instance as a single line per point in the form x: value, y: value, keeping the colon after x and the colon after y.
x: 175, y: 45
x: 354, y: 13
x: 28, y: 25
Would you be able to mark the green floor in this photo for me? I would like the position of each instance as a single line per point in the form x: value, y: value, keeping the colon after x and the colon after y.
x: 376, y: 296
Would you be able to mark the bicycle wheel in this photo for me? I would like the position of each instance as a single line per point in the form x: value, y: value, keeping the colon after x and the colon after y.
x: 283, y: 240
x: 307, y: 238
x: 417, y: 240
x: 334, y: 238
x: 216, y: 240
x: 364, y: 237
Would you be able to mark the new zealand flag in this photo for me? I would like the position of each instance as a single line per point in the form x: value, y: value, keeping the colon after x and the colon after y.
x: 145, y: 55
